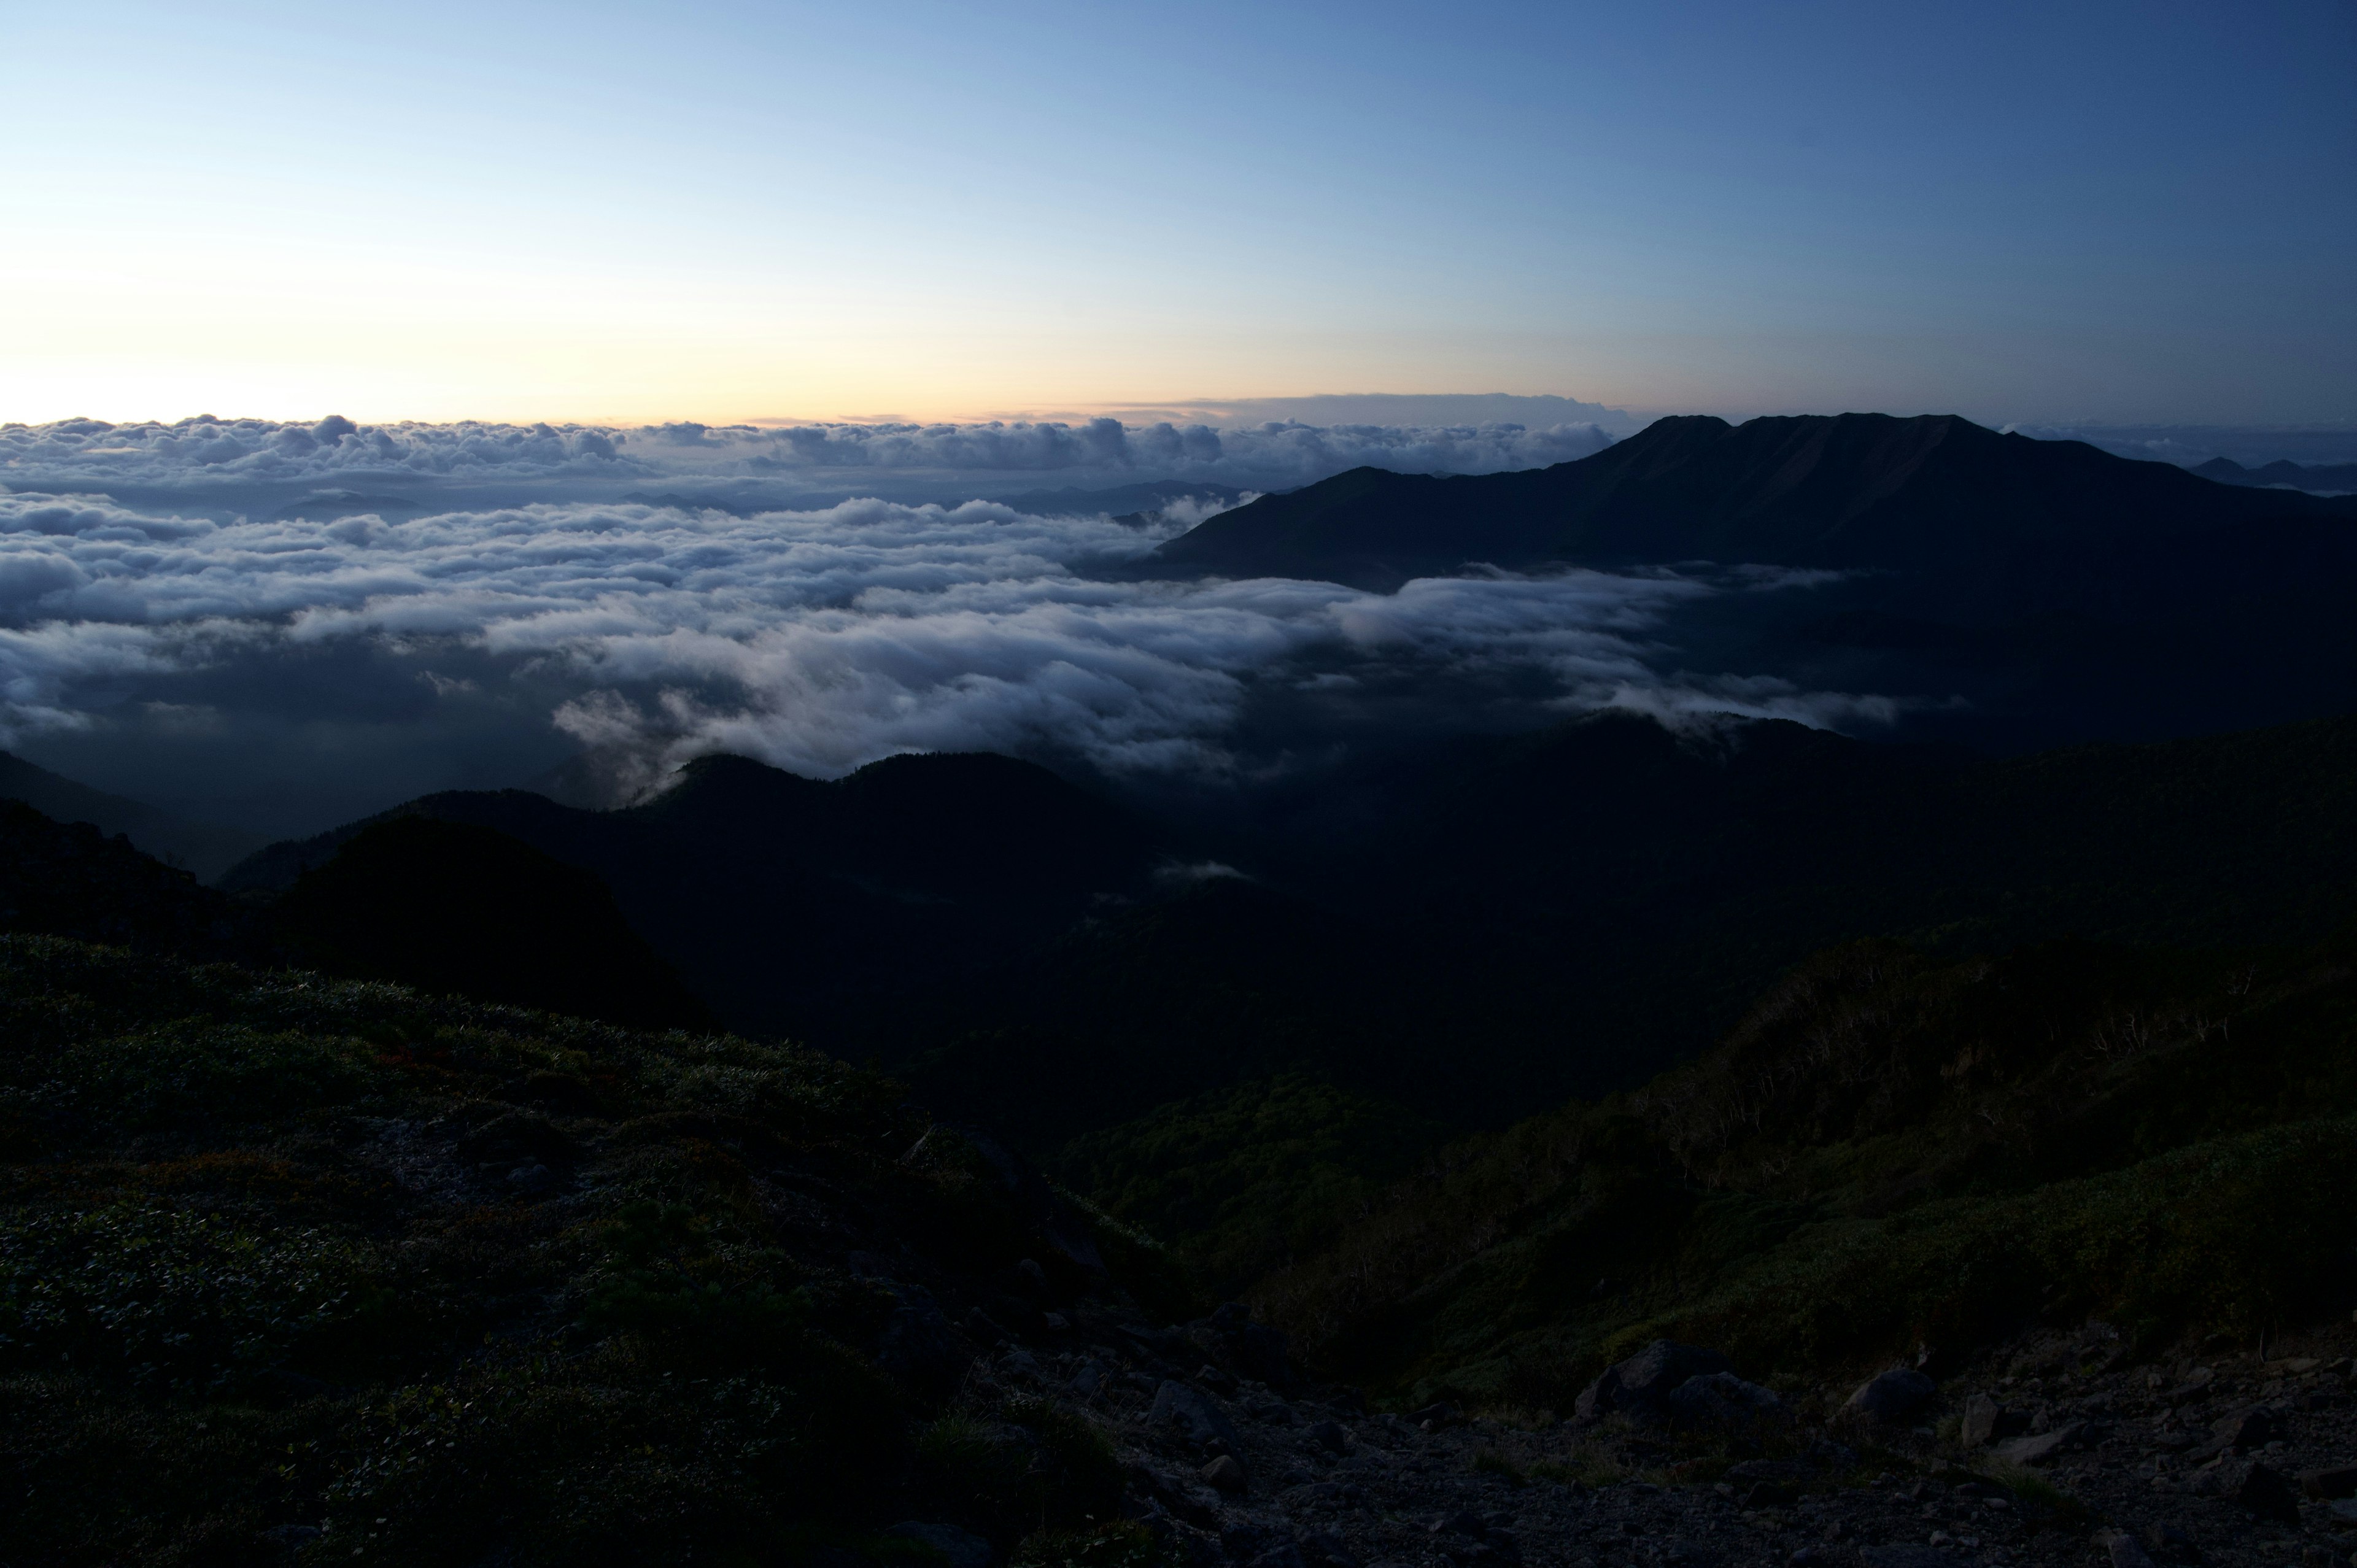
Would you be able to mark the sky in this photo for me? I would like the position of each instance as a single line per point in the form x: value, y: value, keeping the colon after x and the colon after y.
x: 2132, y: 213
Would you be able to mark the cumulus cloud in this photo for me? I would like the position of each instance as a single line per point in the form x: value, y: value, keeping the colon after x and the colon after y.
x: 205, y: 448
x: 816, y: 639
x: 207, y: 455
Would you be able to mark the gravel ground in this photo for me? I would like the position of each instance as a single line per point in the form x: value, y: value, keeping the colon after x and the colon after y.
x: 2058, y: 1448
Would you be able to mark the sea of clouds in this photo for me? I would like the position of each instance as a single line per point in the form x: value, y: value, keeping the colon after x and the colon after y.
x: 289, y: 664
x: 205, y: 455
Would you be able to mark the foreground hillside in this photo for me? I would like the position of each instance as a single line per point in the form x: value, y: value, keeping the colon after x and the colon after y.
x: 304, y: 1270
x: 287, y: 1263
x: 1890, y: 1154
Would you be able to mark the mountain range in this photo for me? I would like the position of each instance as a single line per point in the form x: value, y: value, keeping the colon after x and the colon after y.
x: 463, y: 1180
x: 2006, y: 593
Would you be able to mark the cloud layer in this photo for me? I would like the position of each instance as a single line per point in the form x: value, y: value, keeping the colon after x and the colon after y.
x: 816, y: 639
x: 206, y: 454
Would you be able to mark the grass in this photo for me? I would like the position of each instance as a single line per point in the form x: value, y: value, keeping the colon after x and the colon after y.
x: 262, y: 1265
x: 1891, y: 1152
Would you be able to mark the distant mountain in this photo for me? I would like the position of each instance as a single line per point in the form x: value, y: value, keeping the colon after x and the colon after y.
x: 2329, y: 477
x: 202, y: 848
x: 454, y: 909
x: 68, y: 879
x: 788, y: 905
x: 1548, y: 916
x: 2008, y: 593
x: 1523, y: 921
x: 1853, y: 491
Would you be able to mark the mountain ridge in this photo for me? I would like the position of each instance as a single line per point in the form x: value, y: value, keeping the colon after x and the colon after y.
x: 1826, y: 492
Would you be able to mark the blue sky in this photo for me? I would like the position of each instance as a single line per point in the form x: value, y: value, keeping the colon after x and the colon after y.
x: 2095, y: 211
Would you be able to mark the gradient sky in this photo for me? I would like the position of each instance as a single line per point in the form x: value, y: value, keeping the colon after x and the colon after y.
x: 2061, y: 211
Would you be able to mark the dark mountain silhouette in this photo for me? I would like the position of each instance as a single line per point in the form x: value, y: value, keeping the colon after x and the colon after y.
x: 203, y: 848
x: 2299, y: 476
x: 454, y: 909
x: 788, y: 905
x: 1856, y: 491
x: 2009, y: 594
x: 1546, y: 916
x: 68, y: 879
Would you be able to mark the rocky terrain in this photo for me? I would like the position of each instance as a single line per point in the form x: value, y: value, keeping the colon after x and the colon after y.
x: 2057, y: 1448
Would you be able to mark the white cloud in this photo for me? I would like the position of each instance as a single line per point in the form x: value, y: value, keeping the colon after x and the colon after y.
x: 817, y: 640
x: 208, y: 455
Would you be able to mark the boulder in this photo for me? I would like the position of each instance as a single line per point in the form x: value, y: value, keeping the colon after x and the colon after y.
x: 1329, y: 1435
x: 2245, y: 1429
x: 1196, y: 1418
x: 1643, y: 1384
x: 917, y: 1347
x: 1893, y: 1398
x: 1226, y: 1475
x: 1726, y: 1402
x: 1326, y: 1547
x: 962, y: 1549
x: 1981, y: 1416
x: 2127, y: 1551
x: 2337, y: 1482
x: 2042, y: 1448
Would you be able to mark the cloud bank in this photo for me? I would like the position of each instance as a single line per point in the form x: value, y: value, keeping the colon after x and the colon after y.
x: 204, y: 455
x: 815, y: 640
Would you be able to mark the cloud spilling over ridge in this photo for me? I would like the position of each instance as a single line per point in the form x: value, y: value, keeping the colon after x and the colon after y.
x: 817, y: 640
x: 92, y: 455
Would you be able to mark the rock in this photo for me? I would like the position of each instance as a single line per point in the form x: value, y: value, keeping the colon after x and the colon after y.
x: 1435, y: 1415
x: 1329, y: 1435
x: 1328, y: 1548
x: 2127, y: 1553
x: 2040, y: 1449
x: 1087, y: 1380
x: 1726, y: 1401
x: 1904, y: 1557
x: 2337, y: 1482
x: 1224, y: 1474
x: 1892, y: 1397
x: 917, y: 1347
x: 1213, y: 1379
x: 1196, y: 1416
x: 2265, y: 1494
x: 1643, y: 1383
x: 962, y: 1549
x: 2243, y: 1430
x: 2344, y: 1510
x: 1981, y: 1416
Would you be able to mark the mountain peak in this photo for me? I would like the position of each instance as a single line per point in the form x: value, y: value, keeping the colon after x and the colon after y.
x: 1930, y: 492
